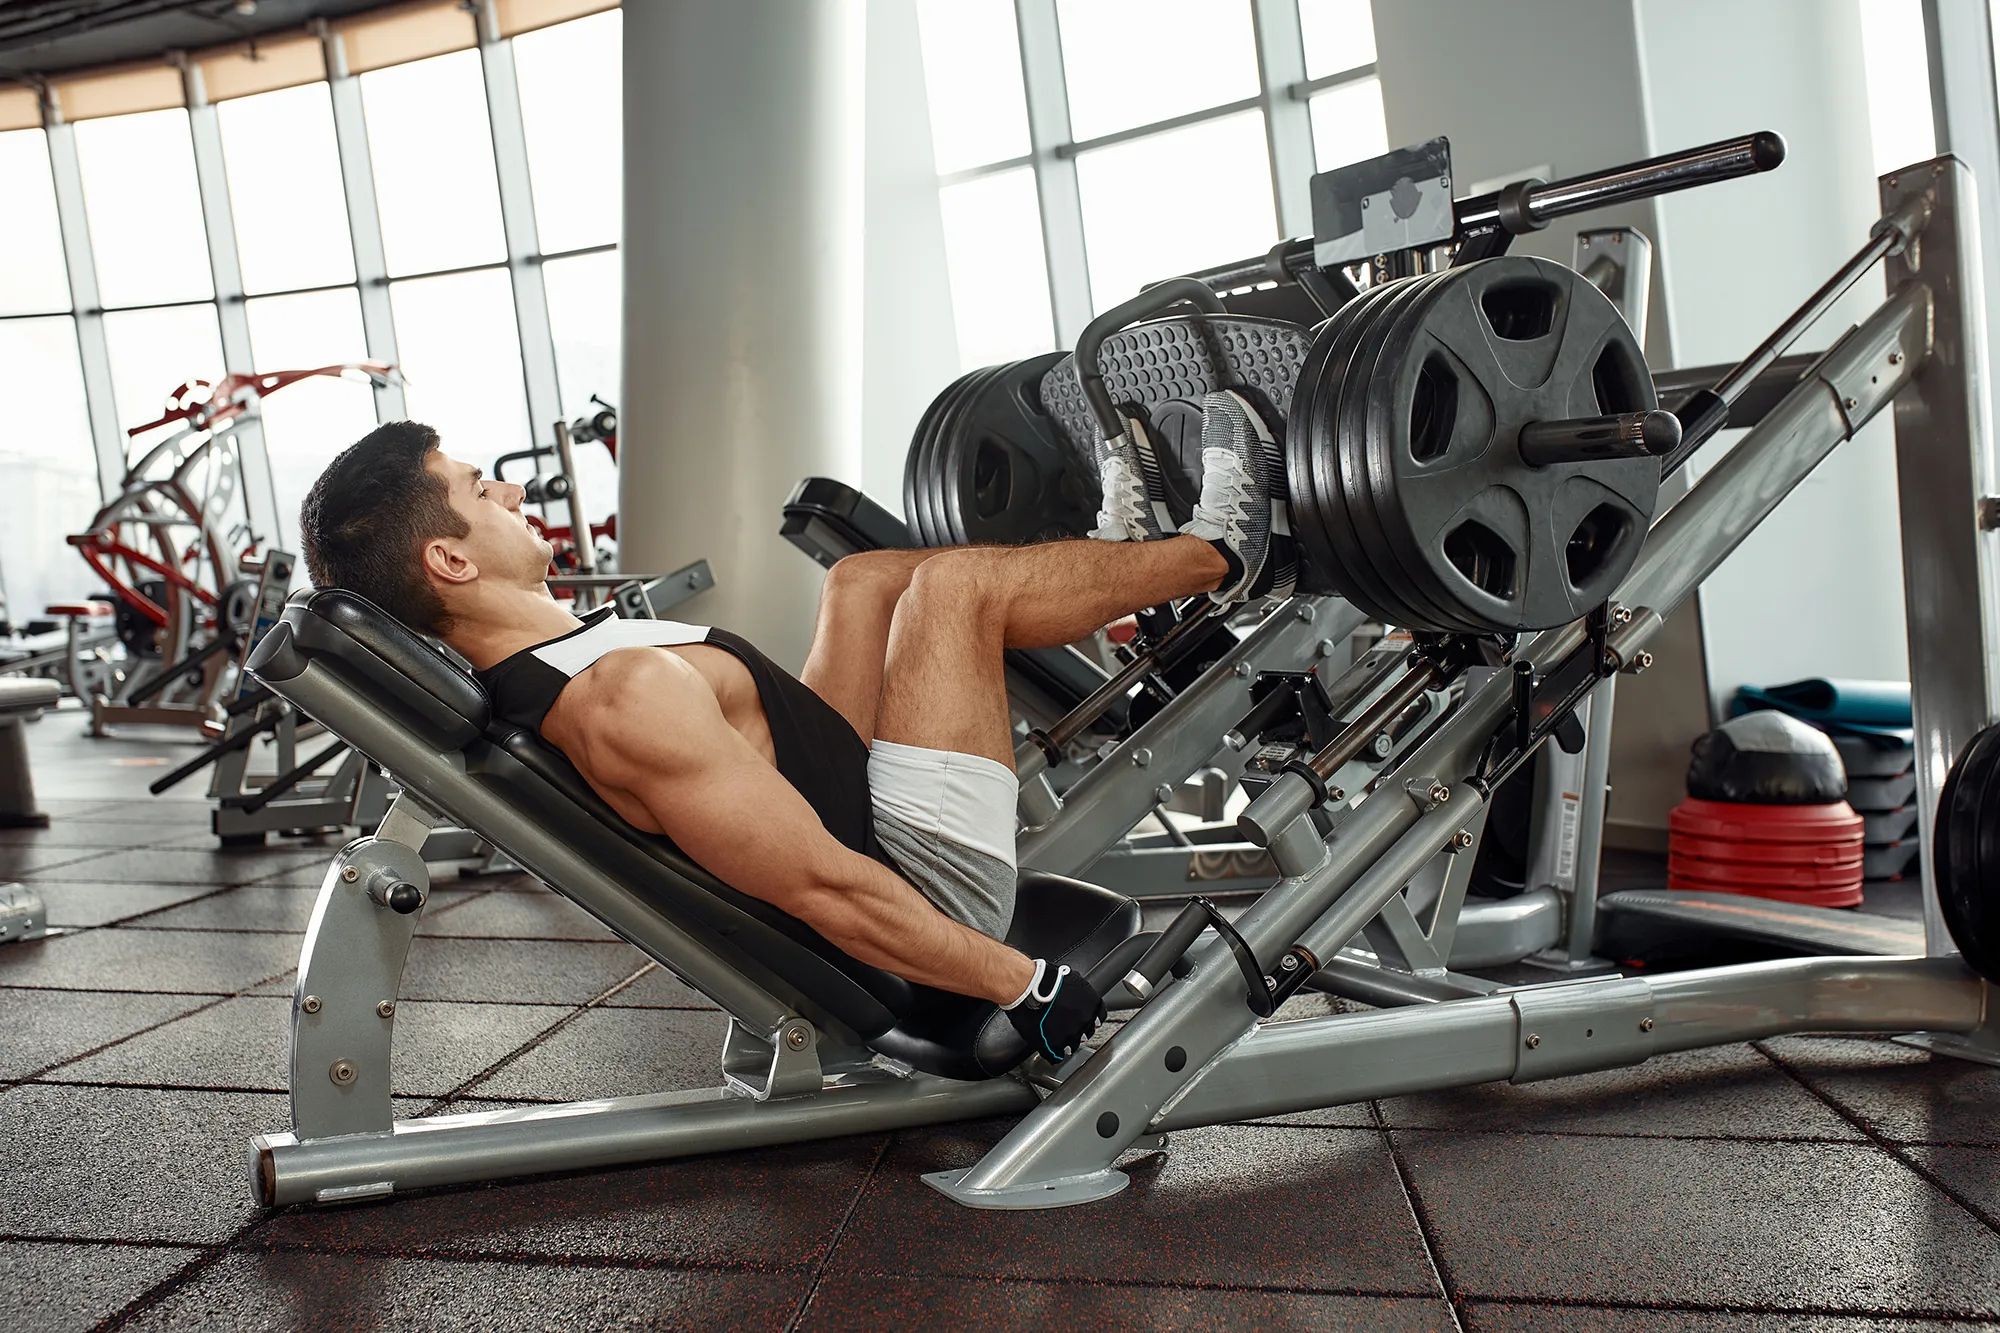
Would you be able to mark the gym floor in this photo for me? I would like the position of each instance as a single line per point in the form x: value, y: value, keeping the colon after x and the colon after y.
x: 1803, y: 1183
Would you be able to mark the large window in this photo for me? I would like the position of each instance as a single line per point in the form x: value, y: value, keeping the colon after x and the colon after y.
x: 316, y: 274
x: 1165, y: 163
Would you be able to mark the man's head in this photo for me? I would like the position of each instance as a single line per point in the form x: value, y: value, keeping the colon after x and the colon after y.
x: 415, y: 531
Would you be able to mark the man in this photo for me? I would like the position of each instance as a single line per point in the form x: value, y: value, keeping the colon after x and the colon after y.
x: 872, y: 797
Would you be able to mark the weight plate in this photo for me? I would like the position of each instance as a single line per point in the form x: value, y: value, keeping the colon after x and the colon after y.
x: 935, y: 480
x: 1502, y: 343
x: 1007, y: 474
x: 913, y: 462
x: 1320, y: 569
x: 1359, y: 565
x: 1360, y: 440
x: 1966, y: 849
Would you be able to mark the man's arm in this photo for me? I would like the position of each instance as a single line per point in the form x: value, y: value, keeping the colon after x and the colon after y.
x: 644, y: 729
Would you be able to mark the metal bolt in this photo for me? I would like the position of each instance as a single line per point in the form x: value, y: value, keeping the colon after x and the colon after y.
x: 349, y: 874
x: 1892, y: 180
x: 1645, y: 1025
x: 1895, y: 358
x: 1533, y: 1041
x: 1622, y: 616
x: 310, y: 1004
x: 1290, y: 962
x: 1244, y: 670
x: 1851, y: 403
x: 1642, y: 661
x: 1381, y: 745
x: 796, y: 1038
x: 1163, y: 793
x: 386, y: 1008
x: 1335, y: 794
x: 1463, y: 839
x: 1440, y: 793
x: 1235, y: 740
x: 1141, y: 757
x: 343, y: 1072
x: 1304, y: 612
x: 1326, y: 647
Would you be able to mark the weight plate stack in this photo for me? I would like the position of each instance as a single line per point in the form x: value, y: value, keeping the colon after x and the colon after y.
x: 1409, y: 493
x: 1164, y: 368
x: 988, y: 466
x: 1965, y: 847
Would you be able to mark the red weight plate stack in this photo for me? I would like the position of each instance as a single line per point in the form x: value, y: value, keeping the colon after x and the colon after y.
x: 1809, y: 854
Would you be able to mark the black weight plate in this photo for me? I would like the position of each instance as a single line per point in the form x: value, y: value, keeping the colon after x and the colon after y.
x: 936, y: 480
x: 1320, y: 567
x: 1965, y: 847
x: 1006, y: 468
x: 1360, y: 441
x: 1364, y: 566
x: 913, y: 462
x: 1463, y: 495
x: 1316, y: 482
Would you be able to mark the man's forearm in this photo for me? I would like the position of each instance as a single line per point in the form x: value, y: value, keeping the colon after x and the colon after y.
x: 879, y: 918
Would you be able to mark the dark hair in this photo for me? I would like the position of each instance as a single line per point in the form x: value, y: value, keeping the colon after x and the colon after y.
x: 365, y: 521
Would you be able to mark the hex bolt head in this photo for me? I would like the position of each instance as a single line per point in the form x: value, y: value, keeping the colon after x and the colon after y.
x: 1645, y: 1025
x: 1622, y: 616
x: 796, y: 1038
x: 1850, y: 403
x: 1163, y: 793
x: 1325, y: 647
x: 1533, y: 1040
x: 310, y: 1004
x: 1895, y: 358
x: 1463, y: 839
x: 1141, y: 757
x: 343, y: 1072
x: 1335, y: 794
x: 1304, y: 612
x: 349, y: 874
x: 1642, y: 662
x: 386, y: 1008
x: 1244, y: 670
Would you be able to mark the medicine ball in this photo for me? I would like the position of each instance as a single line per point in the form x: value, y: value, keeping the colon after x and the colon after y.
x: 1766, y: 758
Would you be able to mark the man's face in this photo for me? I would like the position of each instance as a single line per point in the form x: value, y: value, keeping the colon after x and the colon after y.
x: 501, y: 546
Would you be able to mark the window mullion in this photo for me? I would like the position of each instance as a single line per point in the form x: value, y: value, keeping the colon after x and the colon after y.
x: 364, y: 225
x: 1281, y: 63
x: 1055, y: 175
x: 93, y: 352
x: 260, y: 496
x: 517, y: 218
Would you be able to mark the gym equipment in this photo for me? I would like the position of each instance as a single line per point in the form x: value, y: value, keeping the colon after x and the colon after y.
x: 21, y: 702
x: 573, y: 560
x: 175, y: 547
x: 23, y: 916
x: 1385, y: 866
x: 1766, y: 758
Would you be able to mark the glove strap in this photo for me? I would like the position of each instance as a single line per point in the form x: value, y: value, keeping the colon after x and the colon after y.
x: 1034, y: 990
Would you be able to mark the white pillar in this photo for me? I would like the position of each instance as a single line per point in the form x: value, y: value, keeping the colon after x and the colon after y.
x: 742, y: 252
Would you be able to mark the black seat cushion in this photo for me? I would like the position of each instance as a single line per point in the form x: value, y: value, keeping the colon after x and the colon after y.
x: 1063, y: 920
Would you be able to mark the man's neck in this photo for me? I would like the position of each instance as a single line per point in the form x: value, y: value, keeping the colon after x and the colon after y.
x: 506, y: 620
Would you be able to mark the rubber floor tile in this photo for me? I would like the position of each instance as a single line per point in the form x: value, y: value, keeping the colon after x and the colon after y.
x: 43, y: 1027
x: 53, y: 1288
x: 101, y: 834
x: 660, y: 989
x: 516, y: 971
x: 1903, y: 1093
x: 617, y: 1053
x: 252, y: 907
x: 100, y: 904
x: 30, y: 862
x: 774, y: 1209
x: 1723, y: 1092
x: 171, y: 865
x: 1228, y: 1205
x: 1712, y: 1222
x: 862, y: 1304
x: 1480, y: 1318
x: 1973, y: 1172
x: 245, y: 1044
x: 315, y: 1293
x: 129, y: 1163
x: 148, y: 960
x: 519, y: 916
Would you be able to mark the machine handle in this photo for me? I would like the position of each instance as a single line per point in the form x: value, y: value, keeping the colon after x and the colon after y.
x: 1149, y: 302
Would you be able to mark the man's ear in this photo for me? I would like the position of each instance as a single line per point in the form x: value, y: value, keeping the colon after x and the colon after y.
x: 442, y: 561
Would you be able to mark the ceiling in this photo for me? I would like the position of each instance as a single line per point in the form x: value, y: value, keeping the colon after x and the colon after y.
x: 55, y: 36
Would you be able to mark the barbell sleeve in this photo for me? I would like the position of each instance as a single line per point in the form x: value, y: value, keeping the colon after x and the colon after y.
x: 1594, y: 439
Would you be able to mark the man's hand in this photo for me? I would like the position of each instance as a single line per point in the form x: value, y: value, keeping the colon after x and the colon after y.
x: 1058, y: 1012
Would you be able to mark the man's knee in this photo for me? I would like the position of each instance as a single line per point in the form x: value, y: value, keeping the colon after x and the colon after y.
x: 870, y: 575
x: 967, y: 581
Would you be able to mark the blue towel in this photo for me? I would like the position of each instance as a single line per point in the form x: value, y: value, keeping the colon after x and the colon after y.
x: 1853, y: 707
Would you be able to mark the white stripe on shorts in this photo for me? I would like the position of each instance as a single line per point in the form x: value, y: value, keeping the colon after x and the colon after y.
x: 966, y: 798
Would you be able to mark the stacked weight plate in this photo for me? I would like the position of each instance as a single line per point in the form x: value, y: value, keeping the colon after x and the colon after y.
x: 1807, y: 854
x: 1409, y: 494
x: 987, y: 465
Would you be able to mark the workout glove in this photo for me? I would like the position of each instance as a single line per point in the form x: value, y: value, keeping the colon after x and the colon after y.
x: 1057, y: 1013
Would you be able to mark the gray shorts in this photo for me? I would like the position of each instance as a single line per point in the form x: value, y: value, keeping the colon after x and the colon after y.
x: 947, y: 821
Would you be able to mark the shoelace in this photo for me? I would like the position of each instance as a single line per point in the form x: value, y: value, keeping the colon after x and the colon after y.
x: 1124, y: 505
x: 1225, y: 495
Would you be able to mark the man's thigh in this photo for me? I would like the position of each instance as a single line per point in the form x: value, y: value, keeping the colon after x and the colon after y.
x: 850, y: 646
x: 945, y: 680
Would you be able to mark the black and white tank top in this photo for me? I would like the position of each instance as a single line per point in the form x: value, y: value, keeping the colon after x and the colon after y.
x: 817, y: 751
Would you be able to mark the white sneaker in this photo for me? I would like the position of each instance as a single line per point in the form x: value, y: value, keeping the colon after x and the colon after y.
x: 1243, y: 510
x: 1134, y: 508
